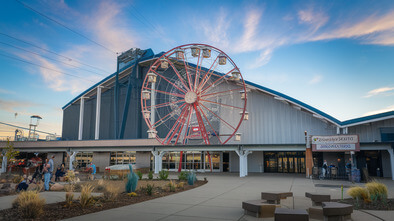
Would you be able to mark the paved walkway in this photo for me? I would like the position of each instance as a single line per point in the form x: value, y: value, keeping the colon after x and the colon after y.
x: 221, y: 199
x: 222, y: 196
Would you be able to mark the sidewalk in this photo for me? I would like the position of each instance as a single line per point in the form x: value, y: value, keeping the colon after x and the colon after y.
x: 221, y: 199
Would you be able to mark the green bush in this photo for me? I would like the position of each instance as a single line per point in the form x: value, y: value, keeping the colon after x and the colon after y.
x: 182, y: 175
x: 139, y: 174
x: 377, y: 191
x: 163, y: 175
x: 149, y: 189
x: 150, y: 175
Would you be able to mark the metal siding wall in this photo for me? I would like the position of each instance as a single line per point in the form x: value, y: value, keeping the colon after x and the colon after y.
x: 89, y: 120
x: 273, y: 122
x: 107, y: 116
x: 70, y: 122
x: 370, y: 132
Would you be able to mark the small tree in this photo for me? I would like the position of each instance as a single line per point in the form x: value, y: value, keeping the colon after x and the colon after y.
x: 9, y: 151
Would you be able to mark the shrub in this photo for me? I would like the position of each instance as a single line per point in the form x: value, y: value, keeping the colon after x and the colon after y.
x: 17, y: 179
x: 70, y: 177
x: 377, y: 191
x: 132, y: 181
x: 86, y: 198
x: 180, y: 185
x: 150, y: 175
x: 163, y: 174
x: 111, y: 192
x: 358, y: 193
x: 139, y: 174
x: 171, y: 186
x: 69, y: 198
x: 149, y: 189
x: 100, y: 185
x: 29, y: 204
x: 182, y: 175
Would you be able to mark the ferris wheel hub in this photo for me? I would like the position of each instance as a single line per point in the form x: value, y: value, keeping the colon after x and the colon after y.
x: 191, y: 97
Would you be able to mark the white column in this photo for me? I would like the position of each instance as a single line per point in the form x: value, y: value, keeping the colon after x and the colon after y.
x: 81, y: 110
x: 4, y: 164
x: 243, y: 162
x: 345, y: 130
x: 72, y: 159
x: 158, y: 160
x: 98, y: 108
x: 338, y: 130
x: 391, y: 162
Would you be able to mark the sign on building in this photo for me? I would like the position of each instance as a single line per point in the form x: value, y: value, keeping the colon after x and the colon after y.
x: 338, y: 143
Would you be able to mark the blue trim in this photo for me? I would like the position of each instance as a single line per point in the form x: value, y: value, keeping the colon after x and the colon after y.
x: 367, y: 118
x: 149, y: 54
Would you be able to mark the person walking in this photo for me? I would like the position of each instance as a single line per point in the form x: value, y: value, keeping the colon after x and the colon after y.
x: 47, y: 175
x: 93, y: 170
x: 324, y: 168
x: 51, y: 167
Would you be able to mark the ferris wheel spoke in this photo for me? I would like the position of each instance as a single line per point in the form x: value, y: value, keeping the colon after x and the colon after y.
x: 221, y: 78
x: 165, y: 92
x: 214, y: 131
x: 187, y: 126
x: 225, y: 105
x: 201, y: 125
x: 218, y: 117
x: 165, y: 104
x: 177, y: 73
x: 173, y: 84
x: 221, y: 92
x: 183, y: 123
x: 174, y: 129
x: 205, y: 78
x: 167, y: 117
x: 187, y: 72
x: 197, y: 70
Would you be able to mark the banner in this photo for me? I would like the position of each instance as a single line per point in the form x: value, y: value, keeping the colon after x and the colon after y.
x: 338, y: 143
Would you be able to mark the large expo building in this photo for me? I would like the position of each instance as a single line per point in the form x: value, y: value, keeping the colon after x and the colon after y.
x: 205, y: 117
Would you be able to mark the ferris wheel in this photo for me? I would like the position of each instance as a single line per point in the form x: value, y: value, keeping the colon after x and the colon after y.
x: 194, y: 94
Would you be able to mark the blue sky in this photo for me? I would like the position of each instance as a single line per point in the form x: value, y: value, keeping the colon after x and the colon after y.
x: 336, y: 56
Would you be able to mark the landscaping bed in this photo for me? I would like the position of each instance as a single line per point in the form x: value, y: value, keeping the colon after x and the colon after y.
x: 61, y: 210
x: 361, y: 205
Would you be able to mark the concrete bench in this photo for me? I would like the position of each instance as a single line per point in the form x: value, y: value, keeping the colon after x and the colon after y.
x: 274, y: 197
x: 259, y: 208
x: 284, y: 214
x: 317, y: 199
x: 333, y: 211
x: 316, y: 212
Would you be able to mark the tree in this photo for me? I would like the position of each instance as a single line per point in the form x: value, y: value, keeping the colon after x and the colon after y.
x: 9, y: 152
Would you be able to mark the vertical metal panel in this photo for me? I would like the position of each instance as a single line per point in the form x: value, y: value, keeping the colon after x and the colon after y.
x: 371, y: 132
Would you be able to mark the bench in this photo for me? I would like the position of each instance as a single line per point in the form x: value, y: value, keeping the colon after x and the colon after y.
x: 317, y: 199
x: 284, y: 214
x: 334, y: 211
x: 258, y: 208
x: 274, y: 197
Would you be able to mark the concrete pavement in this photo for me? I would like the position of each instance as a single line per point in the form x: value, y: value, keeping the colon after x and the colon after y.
x: 222, y: 196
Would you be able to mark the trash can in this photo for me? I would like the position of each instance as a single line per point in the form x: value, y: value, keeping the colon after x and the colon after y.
x: 378, y: 172
x: 355, y: 175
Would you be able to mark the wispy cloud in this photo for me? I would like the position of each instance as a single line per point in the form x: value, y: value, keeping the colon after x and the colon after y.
x: 376, y: 29
x: 316, y: 79
x: 378, y: 91
x: 4, y: 91
x: 13, y: 106
x: 387, y: 109
x: 312, y: 17
x: 216, y: 31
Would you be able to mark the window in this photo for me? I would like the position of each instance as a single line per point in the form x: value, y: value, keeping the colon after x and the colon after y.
x: 83, y: 159
x: 126, y: 157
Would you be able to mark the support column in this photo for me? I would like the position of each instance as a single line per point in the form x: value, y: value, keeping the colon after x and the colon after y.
x: 98, y: 109
x: 391, y: 152
x: 308, y: 156
x: 4, y: 164
x: 243, y: 162
x: 72, y: 155
x: 81, y: 110
x: 158, y: 160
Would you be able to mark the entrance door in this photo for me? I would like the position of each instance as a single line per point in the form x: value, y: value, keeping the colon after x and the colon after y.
x: 226, y: 163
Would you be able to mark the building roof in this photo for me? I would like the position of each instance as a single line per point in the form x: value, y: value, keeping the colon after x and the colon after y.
x: 316, y: 113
